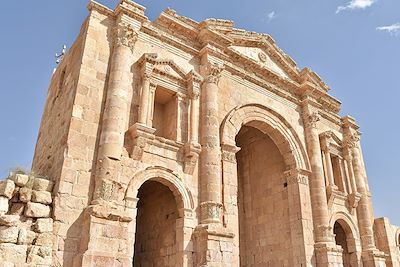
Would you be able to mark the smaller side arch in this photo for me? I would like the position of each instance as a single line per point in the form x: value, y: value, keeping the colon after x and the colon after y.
x: 349, y: 224
x: 166, y: 177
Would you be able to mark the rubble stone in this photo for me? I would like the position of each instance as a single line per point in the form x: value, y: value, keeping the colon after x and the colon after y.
x: 44, y: 225
x: 3, y: 205
x: 20, y: 179
x: 16, y: 253
x: 37, y: 210
x: 8, y: 234
x: 26, y: 237
x: 25, y: 194
x: 43, y: 197
x: 41, y: 184
x: 7, y: 188
x: 39, y: 255
x: 9, y: 220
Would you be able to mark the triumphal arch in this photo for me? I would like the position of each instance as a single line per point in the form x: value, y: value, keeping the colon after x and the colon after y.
x: 181, y: 143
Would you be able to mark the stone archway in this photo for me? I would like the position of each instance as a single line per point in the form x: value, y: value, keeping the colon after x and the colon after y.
x: 346, y: 236
x: 267, y: 178
x: 162, y: 208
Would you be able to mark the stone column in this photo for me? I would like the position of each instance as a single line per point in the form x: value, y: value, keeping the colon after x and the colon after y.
x: 325, y: 247
x: 317, y: 185
x: 192, y: 147
x: 349, y: 170
x: 210, y: 162
x: 329, y: 170
x: 364, y: 217
x: 144, y: 109
x: 114, y: 122
x: 194, y: 118
x: 371, y: 256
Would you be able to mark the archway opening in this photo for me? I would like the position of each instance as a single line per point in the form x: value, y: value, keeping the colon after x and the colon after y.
x: 155, y: 237
x: 341, y: 239
x: 264, y: 230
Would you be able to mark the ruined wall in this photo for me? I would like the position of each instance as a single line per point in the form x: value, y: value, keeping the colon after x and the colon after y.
x: 26, y: 224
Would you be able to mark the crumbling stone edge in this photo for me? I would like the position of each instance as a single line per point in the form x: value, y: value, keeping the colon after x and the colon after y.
x: 26, y: 224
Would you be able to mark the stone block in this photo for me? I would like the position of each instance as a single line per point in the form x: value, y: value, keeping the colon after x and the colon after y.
x: 25, y: 194
x: 37, y: 210
x: 43, y: 197
x: 8, y: 234
x: 7, y: 188
x: 20, y: 179
x: 9, y: 220
x: 12, y: 251
x: 41, y: 184
x: 45, y: 240
x: 26, y: 237
x: 44, y: 225
x: 39, y: 255
x: 3, y: 205
x: 17, y: 209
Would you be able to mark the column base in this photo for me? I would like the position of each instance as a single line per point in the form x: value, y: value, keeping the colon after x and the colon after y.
x: 214, y: 246
x: 328, y: 255
x: 373, y: 258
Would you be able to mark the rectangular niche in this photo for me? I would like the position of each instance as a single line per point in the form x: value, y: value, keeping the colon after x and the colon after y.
x: 165, y: 113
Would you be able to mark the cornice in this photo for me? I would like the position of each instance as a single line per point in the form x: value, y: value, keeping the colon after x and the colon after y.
x: 163, y: 36
x: 102, y: 9
x: 131, y: 9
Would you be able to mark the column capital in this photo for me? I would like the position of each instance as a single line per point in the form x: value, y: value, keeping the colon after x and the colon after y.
x: 125, y: 35
x: 229, y: 152
x: 351, y: 140
x: 312, y: 119
x: 212, y: 73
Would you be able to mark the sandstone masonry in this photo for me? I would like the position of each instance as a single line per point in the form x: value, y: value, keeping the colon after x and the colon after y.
x: 184, y: 143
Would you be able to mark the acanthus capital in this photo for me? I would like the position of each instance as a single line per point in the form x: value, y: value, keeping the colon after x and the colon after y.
x: 125, y: 35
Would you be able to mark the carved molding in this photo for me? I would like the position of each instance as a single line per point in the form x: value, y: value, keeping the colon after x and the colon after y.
x: 297, y: 176
x: 125, y: 35
x: 229, y: 152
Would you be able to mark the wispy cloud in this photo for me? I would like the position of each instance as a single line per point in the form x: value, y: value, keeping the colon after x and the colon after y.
x: 393, y: 29
x: 356, y: 4
x: 271, y: 16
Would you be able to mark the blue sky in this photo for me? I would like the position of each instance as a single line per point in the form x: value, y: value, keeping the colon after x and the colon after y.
x: 353, y: 45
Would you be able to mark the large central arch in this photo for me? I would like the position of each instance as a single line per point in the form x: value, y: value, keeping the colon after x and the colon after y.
x: 290, y: 179
x: 271, y: 123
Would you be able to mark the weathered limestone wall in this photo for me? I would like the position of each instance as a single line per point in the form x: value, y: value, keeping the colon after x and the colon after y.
x: 264, y: 229
x: 26, y: 224
x: 387, y: 238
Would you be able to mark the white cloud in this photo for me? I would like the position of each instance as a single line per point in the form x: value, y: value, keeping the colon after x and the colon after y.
x: 356, y: 4
x: 393, y: 29
x: 271, y: 16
